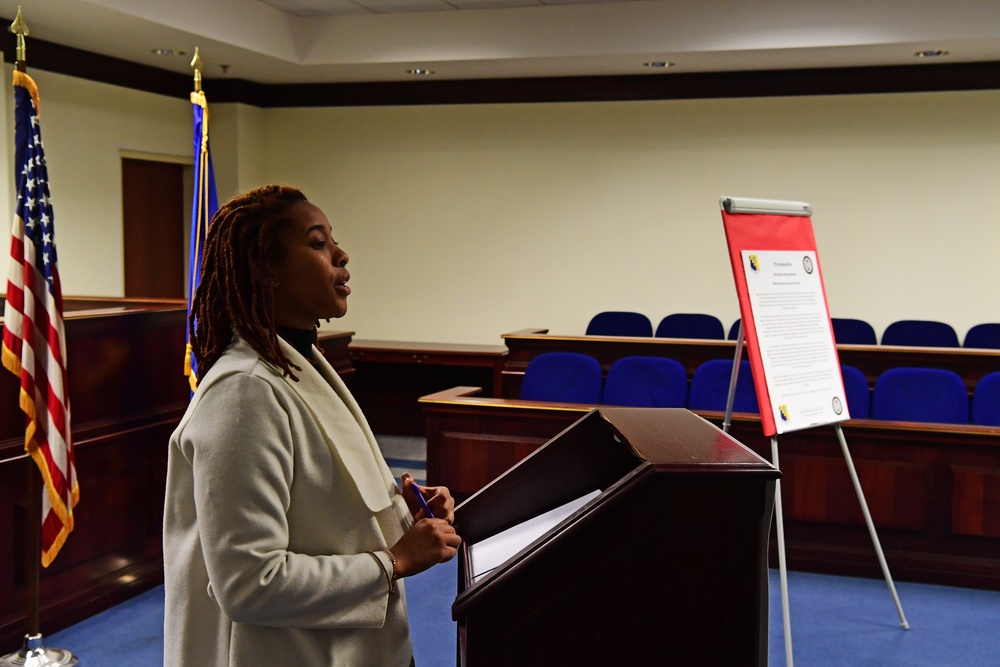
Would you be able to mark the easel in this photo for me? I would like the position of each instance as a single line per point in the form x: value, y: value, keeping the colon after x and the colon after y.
x: 771, y: 207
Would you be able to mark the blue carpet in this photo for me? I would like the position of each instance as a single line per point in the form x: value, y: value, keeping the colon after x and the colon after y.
x: 848, y: 622
x: 836, y: 622
x: 128, y: 634
x: 429, y: 596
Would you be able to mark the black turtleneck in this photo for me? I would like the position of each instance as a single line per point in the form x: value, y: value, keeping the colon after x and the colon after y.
x: 301, y: 339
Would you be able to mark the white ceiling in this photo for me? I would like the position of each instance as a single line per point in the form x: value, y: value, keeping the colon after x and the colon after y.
x: 311, y: 41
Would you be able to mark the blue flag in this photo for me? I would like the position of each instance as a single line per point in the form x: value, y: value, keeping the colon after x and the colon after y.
x: 203, y: 206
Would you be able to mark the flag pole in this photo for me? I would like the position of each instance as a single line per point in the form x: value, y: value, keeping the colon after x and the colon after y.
x: 205, y: 203
x: 33, y: 652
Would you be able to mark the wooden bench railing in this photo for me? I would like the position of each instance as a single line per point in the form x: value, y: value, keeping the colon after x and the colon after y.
x: 932, y: 489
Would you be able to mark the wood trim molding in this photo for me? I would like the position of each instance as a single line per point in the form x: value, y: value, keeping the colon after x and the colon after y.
x: 672, y: 86
x: 924, y: 77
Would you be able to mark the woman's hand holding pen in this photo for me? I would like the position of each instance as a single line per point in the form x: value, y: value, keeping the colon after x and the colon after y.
x: 427, y: 543
x: 437, y: 500
x: 431, y: 540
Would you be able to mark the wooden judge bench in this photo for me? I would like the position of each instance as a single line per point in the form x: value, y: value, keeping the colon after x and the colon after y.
x: 665, y: 561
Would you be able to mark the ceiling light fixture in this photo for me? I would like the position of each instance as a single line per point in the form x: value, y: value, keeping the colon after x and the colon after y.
x: 419, y: 71
x: 931, y: 53
x: 658, y: 64
x: 167, y: 52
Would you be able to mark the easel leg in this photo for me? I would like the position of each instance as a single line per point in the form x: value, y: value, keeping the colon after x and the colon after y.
x: 782, y: 569
x: 871, y: 525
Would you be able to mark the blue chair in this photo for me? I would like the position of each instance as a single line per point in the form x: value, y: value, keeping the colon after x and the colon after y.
x: 690, y: 325
x: 921, y: 395
x: 710, y: 387
x: 567, y: 377
x: 853, y: 332
x: 986, y: 400
x: 859, y: 398
x: 619, y: 323
x: 646, y: 382
x: 920, y: 333
x: 734, y: 330
x: 984, y: 336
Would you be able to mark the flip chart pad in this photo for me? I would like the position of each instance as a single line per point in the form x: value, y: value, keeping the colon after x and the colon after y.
x: 786, y: 320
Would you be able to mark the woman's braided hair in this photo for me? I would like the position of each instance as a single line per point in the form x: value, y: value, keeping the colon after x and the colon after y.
x: 235, y: 294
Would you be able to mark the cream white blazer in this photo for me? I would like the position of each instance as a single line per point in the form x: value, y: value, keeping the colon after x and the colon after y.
x: 275, y: 492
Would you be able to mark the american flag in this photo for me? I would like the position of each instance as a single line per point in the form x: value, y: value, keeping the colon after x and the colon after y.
x: 34, y: 341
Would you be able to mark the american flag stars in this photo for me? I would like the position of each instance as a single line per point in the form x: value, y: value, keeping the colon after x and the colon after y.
x: 34, y: 206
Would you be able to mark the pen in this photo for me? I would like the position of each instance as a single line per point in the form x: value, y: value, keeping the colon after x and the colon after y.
x: 418, y: 492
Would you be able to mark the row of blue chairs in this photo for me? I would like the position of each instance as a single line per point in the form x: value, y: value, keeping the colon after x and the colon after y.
x: 678, y: 325
x: 919, y: 333
x: 900, y: 394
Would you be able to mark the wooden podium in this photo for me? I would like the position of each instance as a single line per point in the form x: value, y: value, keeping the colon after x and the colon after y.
x: 667, y: 565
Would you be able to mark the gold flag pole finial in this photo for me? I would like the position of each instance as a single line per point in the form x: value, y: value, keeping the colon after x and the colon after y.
x: 196, y: 64
x: 20, y: 28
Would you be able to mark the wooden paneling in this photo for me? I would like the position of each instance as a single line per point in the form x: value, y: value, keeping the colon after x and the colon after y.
x: 818, y: 486
x: 127, y: 392
x: 473, y: 457
x: 391, y: 375
x: 975, y: 499
x: 472, y: 440
x: 933, y: 489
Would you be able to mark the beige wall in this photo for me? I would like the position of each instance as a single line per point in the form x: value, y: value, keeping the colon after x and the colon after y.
x: 237, y: 134
x: 85, y: 128
x: 468, y: 221
x: 465, y: 222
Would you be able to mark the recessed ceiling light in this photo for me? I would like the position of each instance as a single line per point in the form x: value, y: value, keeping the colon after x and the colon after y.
x: 931, y: 53
x: 167, y: 52
x: 419, y: 71
x: 658, y: 64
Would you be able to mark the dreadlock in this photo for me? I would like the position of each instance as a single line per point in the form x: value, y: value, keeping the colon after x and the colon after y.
x: 235, y: 294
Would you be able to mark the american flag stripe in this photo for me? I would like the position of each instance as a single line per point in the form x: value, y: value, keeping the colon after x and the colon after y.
x: 34, y: 340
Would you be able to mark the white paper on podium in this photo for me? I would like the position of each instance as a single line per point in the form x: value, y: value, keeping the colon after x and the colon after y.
x: 794, y: 337
x: 494, y: 551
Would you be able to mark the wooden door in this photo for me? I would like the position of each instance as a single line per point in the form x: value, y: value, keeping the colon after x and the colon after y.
x: 153, y: 217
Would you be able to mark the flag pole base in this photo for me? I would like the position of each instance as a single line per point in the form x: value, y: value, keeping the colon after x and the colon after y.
x: 34, y: 654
